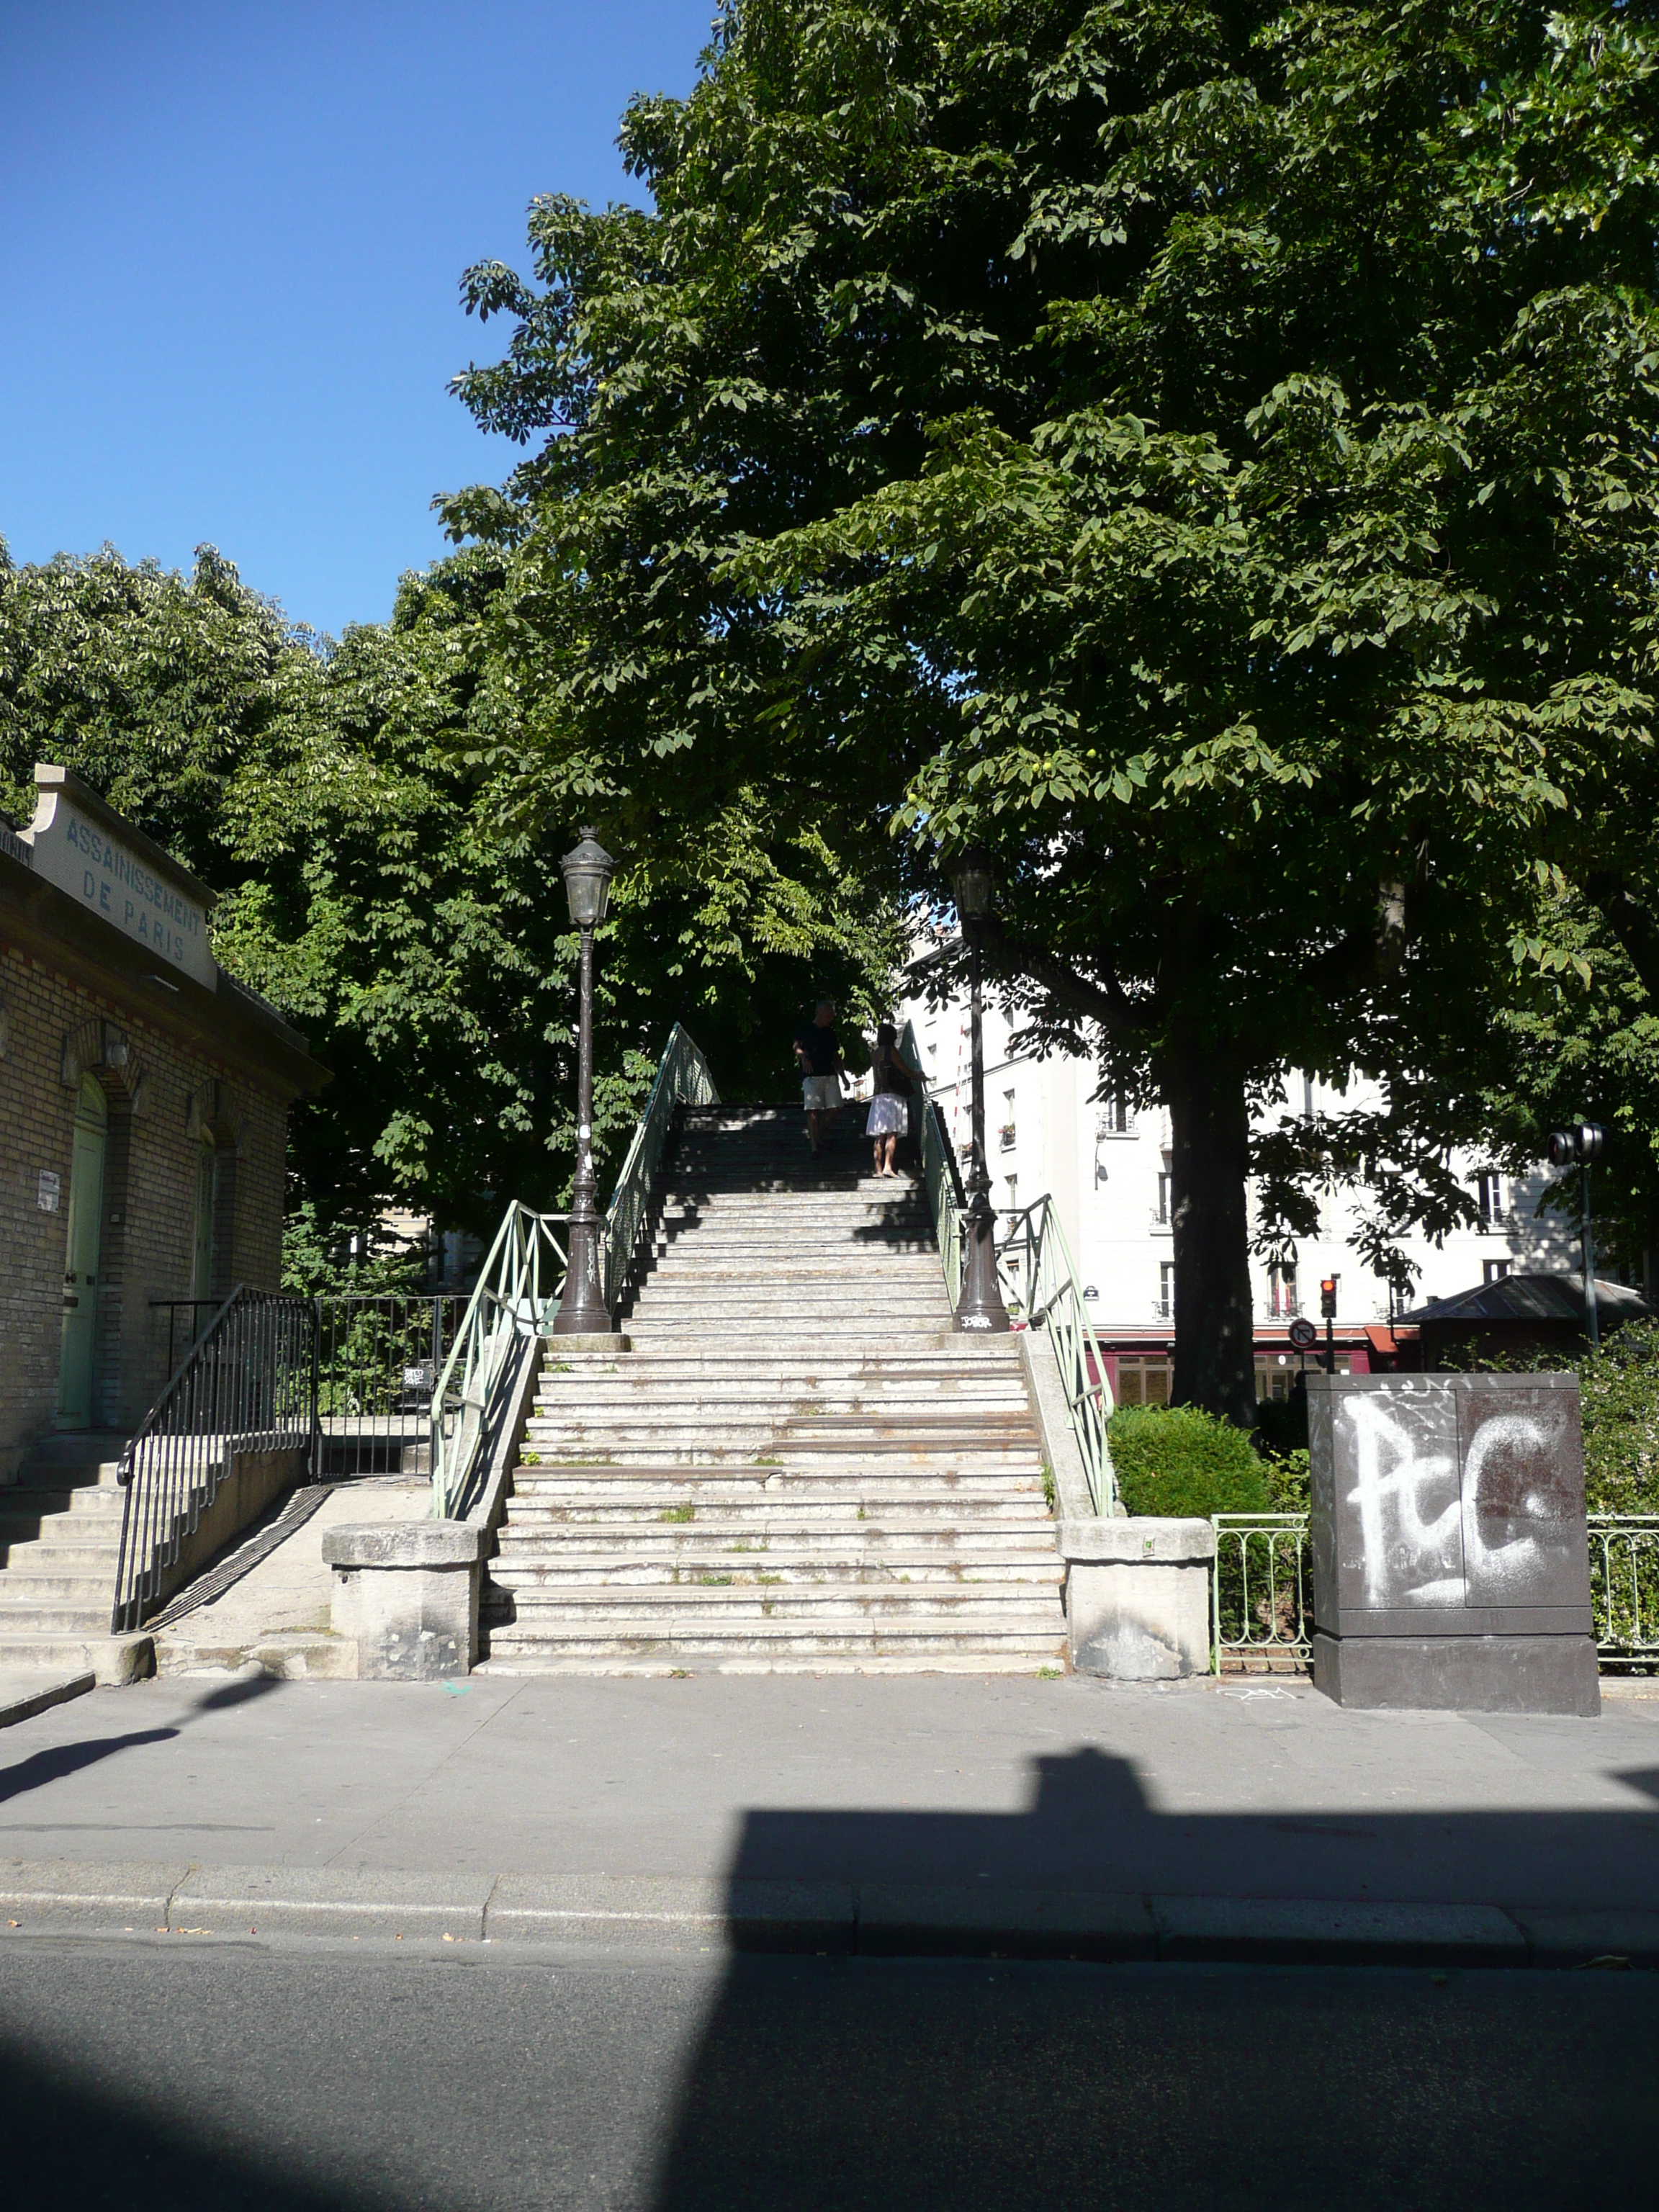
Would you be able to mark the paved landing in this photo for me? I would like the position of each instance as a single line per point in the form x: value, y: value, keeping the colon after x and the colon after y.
x: 1204, y: 1790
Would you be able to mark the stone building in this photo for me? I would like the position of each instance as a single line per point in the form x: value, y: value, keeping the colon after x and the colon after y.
x: 143, y: 1108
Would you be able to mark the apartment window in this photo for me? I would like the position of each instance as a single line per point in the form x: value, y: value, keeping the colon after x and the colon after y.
x: 1006, y: 1132
x: 1113, y: 1118
x: 1013, y: 1193
x: 1282, y: 1299
x: 1166, y: 1288
x: 1492, y: 1199
x: 1161, y: 1210
x: 1494, y: 1271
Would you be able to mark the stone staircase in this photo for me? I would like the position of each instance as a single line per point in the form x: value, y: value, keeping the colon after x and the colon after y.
x: 60, y: 1536
x: 797, y: 1465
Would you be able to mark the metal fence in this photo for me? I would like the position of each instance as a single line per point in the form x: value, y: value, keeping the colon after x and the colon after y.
x: 1261, y: 1590
x: 247, y: 1383
x: 513, y: 1305
x: 379, y: 1358
x: 1624, y: 1549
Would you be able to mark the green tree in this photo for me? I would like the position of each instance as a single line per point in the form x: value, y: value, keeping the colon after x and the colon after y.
x: 386, y: 886
x: 1207, y: 457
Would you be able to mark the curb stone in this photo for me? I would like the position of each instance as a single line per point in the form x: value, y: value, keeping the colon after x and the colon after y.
x: 868, y: 1920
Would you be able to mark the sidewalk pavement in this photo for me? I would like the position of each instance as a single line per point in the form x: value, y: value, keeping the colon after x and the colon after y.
x: 956, y: 1814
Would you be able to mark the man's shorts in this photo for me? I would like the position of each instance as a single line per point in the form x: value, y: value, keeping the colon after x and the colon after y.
x: 820, y: 1092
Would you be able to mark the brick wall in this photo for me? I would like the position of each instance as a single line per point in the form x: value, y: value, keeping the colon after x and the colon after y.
x: 160, y: 1094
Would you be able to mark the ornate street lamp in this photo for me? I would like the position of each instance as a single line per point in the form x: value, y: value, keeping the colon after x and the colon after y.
x: 979, y: 1306
x: 582, y: 1310
x: 1577, y: 1147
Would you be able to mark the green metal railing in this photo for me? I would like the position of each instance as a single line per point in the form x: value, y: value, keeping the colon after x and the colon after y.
x: 1039, y: 1283
x: 683, y: 1079
x: 517, y: 1292
x: 1261, y: 1590
x: 1624, y: 1557
x: 523, y: 1276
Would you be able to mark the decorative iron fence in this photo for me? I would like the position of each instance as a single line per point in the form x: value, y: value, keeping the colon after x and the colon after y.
x: 1261, y: 1590
x: 1623, y: 1550
x: 379, y: 1357
x: 682, y: 1077
x: 248, y: 1383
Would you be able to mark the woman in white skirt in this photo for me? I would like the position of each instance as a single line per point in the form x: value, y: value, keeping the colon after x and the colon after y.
x: 891, y: 1083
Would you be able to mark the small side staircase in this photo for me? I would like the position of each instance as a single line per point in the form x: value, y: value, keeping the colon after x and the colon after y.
x: 60, y: 1536
x: 797, y: 1466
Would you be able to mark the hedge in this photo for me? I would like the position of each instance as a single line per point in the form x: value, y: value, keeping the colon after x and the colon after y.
x: 1176, y: 1461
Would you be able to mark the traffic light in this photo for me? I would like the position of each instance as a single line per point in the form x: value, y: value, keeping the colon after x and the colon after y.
x: 1577, y: 1147
x: 1327, y: 1297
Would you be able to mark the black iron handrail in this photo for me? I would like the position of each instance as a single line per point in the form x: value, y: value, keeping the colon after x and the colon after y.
x: 247, y: 1383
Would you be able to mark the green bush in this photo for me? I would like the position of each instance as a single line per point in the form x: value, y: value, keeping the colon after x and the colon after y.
x: 1618, y: 1398
x: 1176, y: 1460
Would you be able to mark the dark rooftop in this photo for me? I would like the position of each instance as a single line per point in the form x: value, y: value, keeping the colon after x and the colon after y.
x: 1535, y: 1298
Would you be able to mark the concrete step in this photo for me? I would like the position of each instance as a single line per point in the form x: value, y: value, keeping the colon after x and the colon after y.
x: 32, y: 1581
x: 764, y: 1647
x: 20, y: 1618
x: 757, y: 1538
x: 776, y: 1569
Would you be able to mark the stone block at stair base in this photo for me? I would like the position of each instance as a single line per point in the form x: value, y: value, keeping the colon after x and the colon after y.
x: 406, y: 1594
x: 1138, y: 1596
x: 1459, y: 1674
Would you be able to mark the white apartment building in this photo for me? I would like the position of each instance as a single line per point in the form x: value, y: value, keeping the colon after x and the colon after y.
x: 1106, y: 1168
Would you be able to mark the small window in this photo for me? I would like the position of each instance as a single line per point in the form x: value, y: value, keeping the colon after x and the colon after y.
x: 1493, y: 1199
x: 1113, y: 1118
x: 1162, y: 1212
x: 1013, y: 1193
x: 1166, y: 1288
x: 1282, y: 1299
x: 1494, y: 1271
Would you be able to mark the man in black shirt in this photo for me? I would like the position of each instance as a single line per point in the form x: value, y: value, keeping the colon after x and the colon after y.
x: 817, y: 1051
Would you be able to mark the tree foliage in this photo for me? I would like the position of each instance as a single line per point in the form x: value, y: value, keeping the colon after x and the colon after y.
x: 386, y: 887
x: 1207, y: 457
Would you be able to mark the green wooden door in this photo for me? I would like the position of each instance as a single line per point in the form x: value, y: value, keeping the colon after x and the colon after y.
x: 81, y: 1252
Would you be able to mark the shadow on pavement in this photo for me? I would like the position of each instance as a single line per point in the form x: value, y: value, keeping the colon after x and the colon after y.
x: 71, y: 2145
x: 905, y: 2084
x: 1091, y: 1829
x: 54, y: 1764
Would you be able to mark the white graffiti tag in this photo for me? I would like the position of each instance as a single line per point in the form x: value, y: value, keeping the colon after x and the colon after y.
x: 1421, y: 1557
x: 1499, y: 1564
x: 1390, y: 1476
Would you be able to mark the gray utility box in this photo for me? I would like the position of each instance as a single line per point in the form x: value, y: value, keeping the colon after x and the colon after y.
x: 1451, y: 1565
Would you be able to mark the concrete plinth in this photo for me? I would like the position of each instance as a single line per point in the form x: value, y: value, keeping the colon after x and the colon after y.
x: 1138, y: 1597
x: 407, y: 1596
x: 1460, y: 1673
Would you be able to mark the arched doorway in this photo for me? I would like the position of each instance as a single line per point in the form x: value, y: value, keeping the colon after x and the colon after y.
x: 81, y: 1252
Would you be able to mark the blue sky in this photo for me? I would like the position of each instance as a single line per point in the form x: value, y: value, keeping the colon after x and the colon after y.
x: 230, y: 241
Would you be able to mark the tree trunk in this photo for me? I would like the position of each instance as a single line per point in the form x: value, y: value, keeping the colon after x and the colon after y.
x: 1214, y: 1335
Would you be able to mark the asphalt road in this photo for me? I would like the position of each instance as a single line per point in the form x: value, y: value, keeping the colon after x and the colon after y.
x: 154, y: 2073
